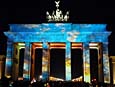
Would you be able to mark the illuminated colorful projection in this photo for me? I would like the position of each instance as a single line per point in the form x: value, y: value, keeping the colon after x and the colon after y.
x: 58, y: 32
x: 45, y: 61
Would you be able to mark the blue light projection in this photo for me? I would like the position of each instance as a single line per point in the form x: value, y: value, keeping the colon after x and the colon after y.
x: 68, y: 61
x: 60, y: 32
x: 86, y: 62
x: 9, y: 58
x: 106, y: 66
x: 27, y: 62
x: 45, y: 62
x: 52, y: 32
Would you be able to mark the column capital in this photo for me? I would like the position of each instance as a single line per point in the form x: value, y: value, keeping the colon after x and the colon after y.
x: 106, y: 43
x: 86, y: 43
x: 9, y: 42
x: 45, y: 45
x: 27, y: 43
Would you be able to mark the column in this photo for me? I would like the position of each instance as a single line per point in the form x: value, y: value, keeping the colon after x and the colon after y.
x: 27, y: 61
x: 15, y: 64
x: 86, y: 62
x: 45, y: 62
x: 2, y: 61
x: 33, y: 63
x: 113, y: 71
x: 100, y: 63
x: 68, y: 61
x: 8, y: 64
x: 106, y: 66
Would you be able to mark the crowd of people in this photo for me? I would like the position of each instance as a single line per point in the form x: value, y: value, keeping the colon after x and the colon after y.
x: 5, y: 82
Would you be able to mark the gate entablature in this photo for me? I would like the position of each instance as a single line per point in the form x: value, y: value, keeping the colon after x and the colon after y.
x: 58, y: 32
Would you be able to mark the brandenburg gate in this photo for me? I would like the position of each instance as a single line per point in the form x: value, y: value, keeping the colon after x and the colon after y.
x: 47, y: 36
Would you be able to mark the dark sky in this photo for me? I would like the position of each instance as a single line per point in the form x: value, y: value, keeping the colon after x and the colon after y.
x: 84, y: 11
x: 81, y: 11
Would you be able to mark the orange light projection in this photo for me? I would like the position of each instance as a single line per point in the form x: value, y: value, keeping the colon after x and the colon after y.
x: 57, y: 45
x: 34, y: 46
x: 76, y: 45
